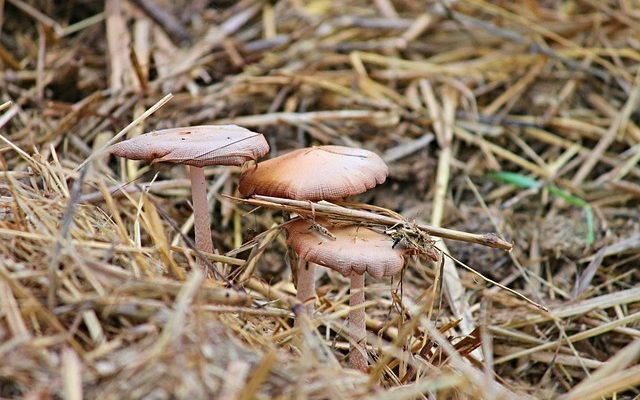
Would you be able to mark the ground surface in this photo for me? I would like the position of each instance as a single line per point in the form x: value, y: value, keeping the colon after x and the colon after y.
x: 519, y: 118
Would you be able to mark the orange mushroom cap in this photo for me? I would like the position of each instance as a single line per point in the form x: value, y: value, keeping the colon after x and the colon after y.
x: 195, y: 145
x: 316, y: 173
x: 355, y: 248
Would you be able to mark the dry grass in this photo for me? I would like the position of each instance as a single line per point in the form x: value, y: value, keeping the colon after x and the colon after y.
x: 98, y: 297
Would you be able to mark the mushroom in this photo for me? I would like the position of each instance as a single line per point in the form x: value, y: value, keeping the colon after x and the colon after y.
x: 314, y: 173
x: 354, y: 251
x: 197, y: 147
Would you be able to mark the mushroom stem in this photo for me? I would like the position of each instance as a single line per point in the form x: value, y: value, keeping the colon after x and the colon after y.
x: 306, y: 290
x: 201, y: 218
x: 357, y: 328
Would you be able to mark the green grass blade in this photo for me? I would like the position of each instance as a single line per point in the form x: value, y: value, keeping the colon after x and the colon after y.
x: 514, y: 179
x: 525, y: 182
x: 590, y: 230
x: 569, y: 198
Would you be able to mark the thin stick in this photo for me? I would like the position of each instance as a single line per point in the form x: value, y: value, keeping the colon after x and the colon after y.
x: 123, y: 132
x: 167, y: 21
x: 71, y: 375
x: 38, y: 15
x: 5, y: 105
x: 62, y: 239
x: 473, y: 271
x: 80, y: 25
x: 297, y: 206
x: 444, y: 118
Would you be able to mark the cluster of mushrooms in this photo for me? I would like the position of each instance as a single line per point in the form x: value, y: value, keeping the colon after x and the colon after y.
x: 312, y: 174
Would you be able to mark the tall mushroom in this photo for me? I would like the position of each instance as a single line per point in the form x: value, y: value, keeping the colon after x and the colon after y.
x: 197, y: 147
x: 315, y: 173
x: 354, y: 251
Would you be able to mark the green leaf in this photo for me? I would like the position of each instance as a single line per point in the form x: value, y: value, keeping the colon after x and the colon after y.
x: 590, y: 230
x: 525, y: 182
x: 568, y: 197
x: 514, y: 179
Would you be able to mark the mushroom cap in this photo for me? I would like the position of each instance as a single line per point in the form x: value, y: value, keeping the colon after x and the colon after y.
x: 195, y: 145
x: 316, y: 173
x: 355, y: 248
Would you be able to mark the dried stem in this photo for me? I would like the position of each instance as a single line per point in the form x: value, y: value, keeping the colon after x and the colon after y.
x: 326, y: 209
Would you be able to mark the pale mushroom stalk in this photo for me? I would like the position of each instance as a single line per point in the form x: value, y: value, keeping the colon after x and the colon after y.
x: 353, y: 251
x: 306, y: 290
x: 201, y: 217
x: 357, y: 328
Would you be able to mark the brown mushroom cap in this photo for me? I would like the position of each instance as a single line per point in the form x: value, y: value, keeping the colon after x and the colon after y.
x: 195, y: 145
x: 316, y: 173
x: 355, y: 248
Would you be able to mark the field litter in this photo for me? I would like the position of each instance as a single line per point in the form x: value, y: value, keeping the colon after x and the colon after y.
x: 517, y: 118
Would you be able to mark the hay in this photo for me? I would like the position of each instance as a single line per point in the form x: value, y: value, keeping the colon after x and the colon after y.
x: 99, y: 294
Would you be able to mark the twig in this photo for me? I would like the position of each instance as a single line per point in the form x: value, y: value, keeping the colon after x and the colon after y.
x: 62, y: 239
x: 332, y: 210
x: 376, y: 117
x: 123, y: 132
x: 167, y: 21
x: 473, y: 271
x: 5, y: 105
x: 38, y: 16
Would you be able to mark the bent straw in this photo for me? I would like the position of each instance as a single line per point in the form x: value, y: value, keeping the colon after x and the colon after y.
x: 123, y: 132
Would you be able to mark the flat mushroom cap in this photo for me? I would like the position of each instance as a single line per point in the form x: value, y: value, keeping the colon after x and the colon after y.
x: 355, y: 249
x: 316, y: 173
x: 195, y: 145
